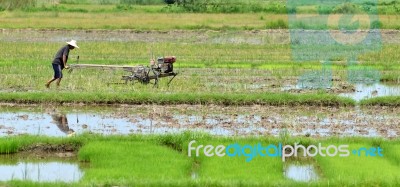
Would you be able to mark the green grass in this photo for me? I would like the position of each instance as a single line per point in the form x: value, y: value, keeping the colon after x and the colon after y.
x: 137, y: 162
x: 154, y: 160
x: 189, y: 53
x: 233, y: 73
x: 11, y: 144
x: 149, y: 18
x: 276, y: 99
x: 142, y: 21
x: 374, y: 171
x: 217, y: 6
x: 393, y: 101
x: 392, y: 152
x: 221, y: 169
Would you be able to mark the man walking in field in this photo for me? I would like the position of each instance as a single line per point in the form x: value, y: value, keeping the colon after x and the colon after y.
x: 60, y: 62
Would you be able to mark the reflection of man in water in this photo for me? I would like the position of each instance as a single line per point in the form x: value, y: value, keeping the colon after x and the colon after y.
x: 62, y: 123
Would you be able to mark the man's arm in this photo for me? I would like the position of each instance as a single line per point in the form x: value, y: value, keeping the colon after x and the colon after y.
x: 64, y: 59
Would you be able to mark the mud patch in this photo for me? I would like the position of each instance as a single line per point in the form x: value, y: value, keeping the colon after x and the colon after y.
x: 41, y: 151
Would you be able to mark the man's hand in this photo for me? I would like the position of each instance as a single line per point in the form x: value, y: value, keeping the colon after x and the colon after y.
x: 66, y: 67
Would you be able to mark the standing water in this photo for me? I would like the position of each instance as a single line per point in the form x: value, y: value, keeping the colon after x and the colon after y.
x: 301, y: 173
x: 364, y: 91
x: 225, y: 121
x: 41, y: 172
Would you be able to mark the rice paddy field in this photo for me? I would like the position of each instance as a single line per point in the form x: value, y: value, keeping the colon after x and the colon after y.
x: 240, y: 85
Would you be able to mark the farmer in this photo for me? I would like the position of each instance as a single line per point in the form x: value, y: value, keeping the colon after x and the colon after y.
x: 60, y: 62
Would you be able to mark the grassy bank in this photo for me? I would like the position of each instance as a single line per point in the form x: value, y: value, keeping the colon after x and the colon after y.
x: 137, y: 21
x: 393, y: 101
x: 162, y: 160
x: 277, y: 99
x: 158, y: 21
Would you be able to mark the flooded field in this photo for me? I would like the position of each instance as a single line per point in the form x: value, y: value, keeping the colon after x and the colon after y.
x: 356, y: 92
x: 216, y: 120
x: 40, y: 164
x: 41, y: 172
x: 363, y: 91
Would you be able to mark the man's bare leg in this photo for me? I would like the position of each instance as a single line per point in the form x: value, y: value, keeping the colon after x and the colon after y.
x: 49, y: 82
x: 58, y: 82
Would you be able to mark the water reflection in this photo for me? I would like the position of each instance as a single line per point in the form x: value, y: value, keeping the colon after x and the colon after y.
x: 302, y: 173
x: 41, y: 172
x: 330, y: 121
x: 61, y: 121
x: 364, y: 91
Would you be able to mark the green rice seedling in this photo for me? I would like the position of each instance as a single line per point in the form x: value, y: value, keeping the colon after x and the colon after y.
x: 134, y: 162
x: 359, y: 169
x: 148, y: 159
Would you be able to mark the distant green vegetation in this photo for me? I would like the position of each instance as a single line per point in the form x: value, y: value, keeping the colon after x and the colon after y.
x: 208, y: 6
x: 112, y: 2
x: 160, y: 160
x: 16, y: 4
x: 144, y: 18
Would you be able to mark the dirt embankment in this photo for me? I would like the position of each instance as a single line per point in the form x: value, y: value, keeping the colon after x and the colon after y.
x: 46, y: 151
x: 258, y: 37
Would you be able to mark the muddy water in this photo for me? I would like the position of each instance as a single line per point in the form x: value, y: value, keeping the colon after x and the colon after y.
x: 217, y: 120
x: 363, y: 91
x: 59, y: 124
x: 51, y: 171
x: 358, y: 93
